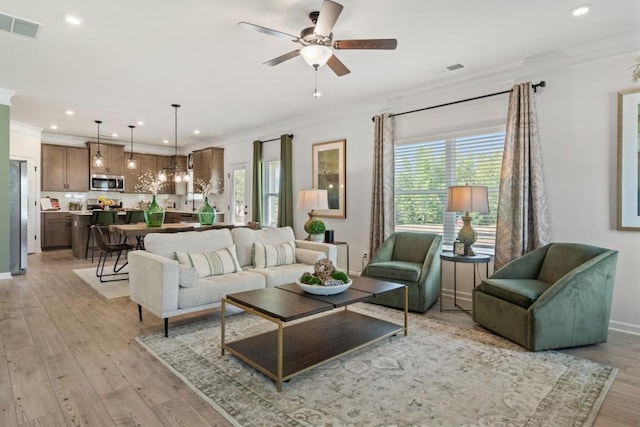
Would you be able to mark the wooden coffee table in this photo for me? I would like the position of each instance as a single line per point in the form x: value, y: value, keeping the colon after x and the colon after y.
x: 289, y: 351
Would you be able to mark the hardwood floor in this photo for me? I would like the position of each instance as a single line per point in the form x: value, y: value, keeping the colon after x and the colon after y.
x: 69, y: 358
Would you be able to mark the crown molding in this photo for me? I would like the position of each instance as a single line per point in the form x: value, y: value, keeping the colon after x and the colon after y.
x: 25, y: 128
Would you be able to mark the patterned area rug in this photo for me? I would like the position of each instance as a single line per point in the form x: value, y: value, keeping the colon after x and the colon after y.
x: 438, y: 375
x: 109, y: 290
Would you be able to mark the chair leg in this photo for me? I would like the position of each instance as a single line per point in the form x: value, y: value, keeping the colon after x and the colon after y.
x: 140, y: 312
x: 166, y: 327
x: 115, y: 266
x: 102, y: 259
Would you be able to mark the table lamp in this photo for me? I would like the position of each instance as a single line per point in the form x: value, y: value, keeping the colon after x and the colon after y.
x: 468, y: 198
x: 312, y: 199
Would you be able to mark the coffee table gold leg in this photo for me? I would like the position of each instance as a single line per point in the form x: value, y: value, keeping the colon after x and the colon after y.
x: 406, y: 310
x: 280, y: 351
x: 222, y: 328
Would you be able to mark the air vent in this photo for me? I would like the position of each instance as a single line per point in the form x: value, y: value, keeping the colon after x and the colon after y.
x: 455, y: 67
x: 16, y: 25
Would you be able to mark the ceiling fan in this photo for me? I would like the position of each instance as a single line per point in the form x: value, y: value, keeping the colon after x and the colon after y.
x: 317, y: 41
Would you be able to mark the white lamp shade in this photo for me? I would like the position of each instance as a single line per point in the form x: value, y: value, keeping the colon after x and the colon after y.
x: 316, y: 54
x: 313, y: 199
x: 468, y: 198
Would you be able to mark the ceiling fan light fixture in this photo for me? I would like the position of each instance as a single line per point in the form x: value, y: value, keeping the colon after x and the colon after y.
x: 315, y: 54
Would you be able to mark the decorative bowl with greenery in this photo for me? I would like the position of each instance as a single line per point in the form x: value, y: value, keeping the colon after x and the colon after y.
x: 325, y: 280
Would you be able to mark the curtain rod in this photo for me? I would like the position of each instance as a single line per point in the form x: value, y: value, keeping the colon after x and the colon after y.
x: 275, y: 139
x: 534, y: 86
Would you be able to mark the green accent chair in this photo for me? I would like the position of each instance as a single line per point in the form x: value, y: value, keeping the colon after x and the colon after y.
x: 413, y: 260
x: 556, y: 296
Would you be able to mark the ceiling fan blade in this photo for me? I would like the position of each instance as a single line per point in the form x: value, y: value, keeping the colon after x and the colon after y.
x: 282, y: 58
x: 337, y: 66
x: 366, y: 44
x: 329, y: 13
x: 265, y: 30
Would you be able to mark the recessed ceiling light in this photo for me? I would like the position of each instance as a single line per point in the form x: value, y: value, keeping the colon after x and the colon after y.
x: 166, y: 141
x: 73, y: 19
x: 69, y: 113
x: 196, y: 131
x: 581, y: 10
x: 53, y: 127
x: 140, y: 123
x: 115, y: 135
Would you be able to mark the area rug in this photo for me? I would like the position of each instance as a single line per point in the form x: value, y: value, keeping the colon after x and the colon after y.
x: 109, y: 290
x: 438, y: 375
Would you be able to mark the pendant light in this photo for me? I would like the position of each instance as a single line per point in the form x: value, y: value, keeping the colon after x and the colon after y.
x: 97, y: 159
x: 178, y: 174
x: 132, y: 161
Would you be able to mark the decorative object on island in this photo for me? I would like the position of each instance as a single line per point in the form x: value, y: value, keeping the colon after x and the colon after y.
x: 131, y: 163
x: 329, y: 173
x: 97, y: 159
x: 468, y: 198
x: 105, y: 203
x: 325, y: 279
x: 154, y: 214
x: 150, y: 183
x: 206, y: 213
x: 312, y: 199
x: 178, y: 174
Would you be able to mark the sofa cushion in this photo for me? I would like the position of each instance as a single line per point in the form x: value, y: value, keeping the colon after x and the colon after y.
x: 187, y: 276
x: 395, y: 270
x: 197, y: 242
x: 307, y: 256
x: 222, y: 261
x: 561, y: 258
x: 283, y: 274
x: 522, y: 292
x: 244, y: 238
x: 212, y: 289
x: 273, y: 255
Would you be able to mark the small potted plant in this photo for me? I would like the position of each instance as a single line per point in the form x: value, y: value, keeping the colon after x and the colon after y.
x: 316, y: 230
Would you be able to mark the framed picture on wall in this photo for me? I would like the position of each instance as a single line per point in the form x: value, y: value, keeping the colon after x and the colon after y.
x: 328, y: 165
x: 629, y: 160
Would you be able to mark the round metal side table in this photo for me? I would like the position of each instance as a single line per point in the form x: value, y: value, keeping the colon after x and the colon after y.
x: 466, y: 259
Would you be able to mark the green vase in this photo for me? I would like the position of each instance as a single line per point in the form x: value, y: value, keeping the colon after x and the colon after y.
x: 207, y: 213
x: 154, y: 214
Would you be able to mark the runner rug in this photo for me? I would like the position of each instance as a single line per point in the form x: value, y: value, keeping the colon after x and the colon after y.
x: 438, y: 375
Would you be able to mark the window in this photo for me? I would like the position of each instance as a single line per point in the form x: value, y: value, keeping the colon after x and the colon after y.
x: 270, y: 192
x: 424, y: 170
x: 238, y: 194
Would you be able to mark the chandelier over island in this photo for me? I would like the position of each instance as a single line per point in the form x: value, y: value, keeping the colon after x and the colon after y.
x: 178, y: 174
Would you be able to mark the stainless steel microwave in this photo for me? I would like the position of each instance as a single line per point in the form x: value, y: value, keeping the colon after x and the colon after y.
x: 107, y: 183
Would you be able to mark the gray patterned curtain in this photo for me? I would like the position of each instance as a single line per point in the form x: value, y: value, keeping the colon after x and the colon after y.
x: 382, y: 183
x: 256, y: 193
x: 523, y: 215
x: 285, y: 198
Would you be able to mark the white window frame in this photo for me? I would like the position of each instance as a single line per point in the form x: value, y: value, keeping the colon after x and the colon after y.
x: 451, y: 222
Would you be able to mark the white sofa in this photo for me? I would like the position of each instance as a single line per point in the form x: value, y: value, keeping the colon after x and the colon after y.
x: 162, y: 286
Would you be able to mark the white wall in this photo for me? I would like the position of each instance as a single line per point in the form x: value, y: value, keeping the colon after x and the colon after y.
x: 577, y: 122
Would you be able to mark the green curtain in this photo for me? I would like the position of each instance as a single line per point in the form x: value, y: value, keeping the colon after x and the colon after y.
x: 285, y: 199
x: 256, y: 194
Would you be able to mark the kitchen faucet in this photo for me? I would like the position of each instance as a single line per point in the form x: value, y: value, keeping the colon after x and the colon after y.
x: 193, y: 201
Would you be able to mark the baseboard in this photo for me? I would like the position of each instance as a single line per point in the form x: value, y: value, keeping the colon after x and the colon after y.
x: 462, y: 296
x: 626, y: 328
x: 5, y: 275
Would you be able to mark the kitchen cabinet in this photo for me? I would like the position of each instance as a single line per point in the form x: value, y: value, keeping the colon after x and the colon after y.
x: 154, y: 164
x: 112, y: 156
x: 55, y: 230
x: 64, y: 168
x: 165, y: 162
x: 208, y: 165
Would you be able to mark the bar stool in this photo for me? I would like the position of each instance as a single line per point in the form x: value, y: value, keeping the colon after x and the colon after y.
x: 102, y: 219
x: 135, y: 217
x: 107, y: 248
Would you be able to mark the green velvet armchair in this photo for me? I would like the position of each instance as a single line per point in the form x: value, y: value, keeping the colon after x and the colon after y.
x: 553, y: 297
x: 411, y: 259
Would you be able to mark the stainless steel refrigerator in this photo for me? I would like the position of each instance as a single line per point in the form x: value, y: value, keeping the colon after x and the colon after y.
x: 18, y: 216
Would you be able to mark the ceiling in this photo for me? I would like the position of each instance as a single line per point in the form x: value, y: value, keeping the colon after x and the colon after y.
x: 130, y: 60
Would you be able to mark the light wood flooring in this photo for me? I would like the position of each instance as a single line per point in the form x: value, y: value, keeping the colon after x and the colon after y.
x: 69, y: 358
